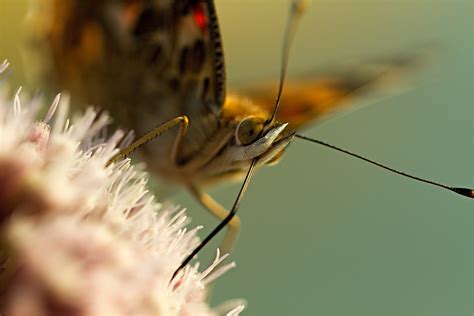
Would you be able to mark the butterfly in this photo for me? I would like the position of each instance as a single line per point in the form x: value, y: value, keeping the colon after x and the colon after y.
x: 158, y: 67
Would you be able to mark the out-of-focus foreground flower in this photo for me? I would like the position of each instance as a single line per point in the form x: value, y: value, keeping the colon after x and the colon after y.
x: 79, y: 238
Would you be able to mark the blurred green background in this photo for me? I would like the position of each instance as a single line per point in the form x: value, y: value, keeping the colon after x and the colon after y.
x: 324, y: 234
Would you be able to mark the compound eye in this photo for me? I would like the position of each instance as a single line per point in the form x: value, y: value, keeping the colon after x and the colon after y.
x: 248, y: 130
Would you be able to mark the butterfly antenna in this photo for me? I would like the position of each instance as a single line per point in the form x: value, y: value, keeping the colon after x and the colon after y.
x: 461, y: 191
x: 297, y: 8
x: 224, y: 222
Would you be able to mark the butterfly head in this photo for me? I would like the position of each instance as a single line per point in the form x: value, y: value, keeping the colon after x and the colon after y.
x: 256, y: 138
x: 253, y: 135
x: 260, y: 136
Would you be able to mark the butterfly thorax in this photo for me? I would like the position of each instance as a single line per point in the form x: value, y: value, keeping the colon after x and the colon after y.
x: 236, y: 136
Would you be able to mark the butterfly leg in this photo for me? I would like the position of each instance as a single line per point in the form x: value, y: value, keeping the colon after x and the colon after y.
x: 183, y: 121
x: 228, y: 219
x: 233, y: 227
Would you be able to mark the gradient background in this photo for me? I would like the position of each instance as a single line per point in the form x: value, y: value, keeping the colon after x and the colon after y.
x: 324, y: 234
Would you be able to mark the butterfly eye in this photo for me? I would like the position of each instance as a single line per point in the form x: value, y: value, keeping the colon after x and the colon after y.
x: 248, y: 130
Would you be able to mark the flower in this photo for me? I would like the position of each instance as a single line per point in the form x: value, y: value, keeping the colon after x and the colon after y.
x: 81, y: 238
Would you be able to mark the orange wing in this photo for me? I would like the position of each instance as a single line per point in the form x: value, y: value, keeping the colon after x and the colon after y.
x: 311, y: 97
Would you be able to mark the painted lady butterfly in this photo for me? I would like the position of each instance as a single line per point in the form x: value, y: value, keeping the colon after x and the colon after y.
x: 161, y: 63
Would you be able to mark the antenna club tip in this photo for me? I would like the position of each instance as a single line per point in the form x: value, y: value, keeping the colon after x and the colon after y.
x: 300, y: 6
x: 464, y: 192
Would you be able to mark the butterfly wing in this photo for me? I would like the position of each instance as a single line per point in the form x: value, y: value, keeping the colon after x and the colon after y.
x: 187, y: 73
x: 183, y: 44
x: 145, y: 61
x: 313, y: 97
x: 136, y: 49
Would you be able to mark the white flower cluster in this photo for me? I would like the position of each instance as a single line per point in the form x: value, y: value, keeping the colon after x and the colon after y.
x: 79, y: 238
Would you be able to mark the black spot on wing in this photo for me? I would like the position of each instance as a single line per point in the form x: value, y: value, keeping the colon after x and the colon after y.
x: 198, y: 56
x: 185, y: 6
x: 149, y: 21
x: 205, y: 88
x: 183, y: 61
x: 174, y: 84
x: 191, y: 59
x: 352, y: 82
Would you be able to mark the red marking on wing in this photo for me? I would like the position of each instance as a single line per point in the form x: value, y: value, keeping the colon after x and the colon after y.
x: 200, y: 17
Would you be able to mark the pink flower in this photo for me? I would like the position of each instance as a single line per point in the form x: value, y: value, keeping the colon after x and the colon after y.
x: 79, y: 238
